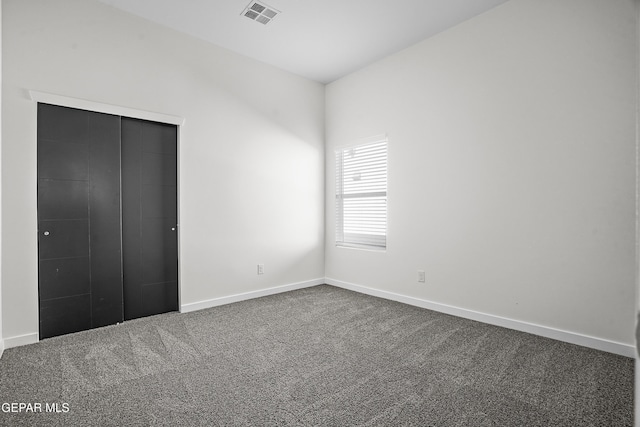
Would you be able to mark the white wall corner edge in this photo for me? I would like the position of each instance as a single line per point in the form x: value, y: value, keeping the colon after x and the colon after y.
x: 1, y: 347
x: 543, y: 331
x: 20, y: 340
x: 201, y: 305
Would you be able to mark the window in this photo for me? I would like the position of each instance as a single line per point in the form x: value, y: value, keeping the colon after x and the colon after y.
x: 361, y: 195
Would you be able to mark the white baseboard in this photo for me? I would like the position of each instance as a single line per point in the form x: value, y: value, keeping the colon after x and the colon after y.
x: 186, y: 308
x: 544, y: 331
x: 19, y: 340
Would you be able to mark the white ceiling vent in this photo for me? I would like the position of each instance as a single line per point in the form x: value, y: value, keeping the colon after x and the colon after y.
x: 260, y: 12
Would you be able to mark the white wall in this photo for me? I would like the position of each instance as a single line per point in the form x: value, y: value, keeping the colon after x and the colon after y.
x: 511, y: 158
x: 511, y: 166
x: 251, y: 150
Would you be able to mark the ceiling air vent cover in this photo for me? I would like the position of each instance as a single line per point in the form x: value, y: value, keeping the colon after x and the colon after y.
x: 260, y: 12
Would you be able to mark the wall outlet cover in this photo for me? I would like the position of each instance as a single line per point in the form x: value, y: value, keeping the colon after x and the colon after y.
x: 421, y: 276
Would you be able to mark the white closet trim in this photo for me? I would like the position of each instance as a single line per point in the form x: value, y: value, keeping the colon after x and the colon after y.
x: 83, y: 104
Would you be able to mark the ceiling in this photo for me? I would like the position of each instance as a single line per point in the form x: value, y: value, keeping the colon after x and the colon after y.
x: 322, y: 40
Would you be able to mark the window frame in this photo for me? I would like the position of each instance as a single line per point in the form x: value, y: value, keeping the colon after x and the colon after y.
x: 344, y: 238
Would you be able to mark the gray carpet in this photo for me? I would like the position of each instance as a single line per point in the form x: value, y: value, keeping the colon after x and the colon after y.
x: 320, y: 356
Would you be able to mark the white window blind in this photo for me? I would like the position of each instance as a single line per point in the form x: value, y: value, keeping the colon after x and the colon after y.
x: 361, y: 195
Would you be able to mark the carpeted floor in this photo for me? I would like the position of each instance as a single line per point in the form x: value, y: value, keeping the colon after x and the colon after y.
x: 320, y: 356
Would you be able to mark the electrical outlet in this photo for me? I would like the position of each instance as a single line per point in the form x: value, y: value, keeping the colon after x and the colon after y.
x: 421, y: 276
x: 260, y: 268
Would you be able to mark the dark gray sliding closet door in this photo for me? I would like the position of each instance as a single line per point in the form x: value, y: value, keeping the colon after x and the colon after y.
x: 149, y: 217
x: 107, y: 218
x: 78, y: 220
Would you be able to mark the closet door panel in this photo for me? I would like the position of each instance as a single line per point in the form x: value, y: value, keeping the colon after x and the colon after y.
x: 159, y: 169
x: 63, y: 277
x: 64, y: 239
x: 160, y: 138
x: 63, y: 160
x: 78, y: 220
x: 159, y: 298
x: 149, y: 173
x: 106, y: 232
x: 65, y: 315
x: 106, y: 271
x: 63, y: 124
x: 63, y: 220
x: 156, y: 200
x: 159, y: 249
x: 60, y: 199
x: 105, y: 165
x: 131, y: 224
